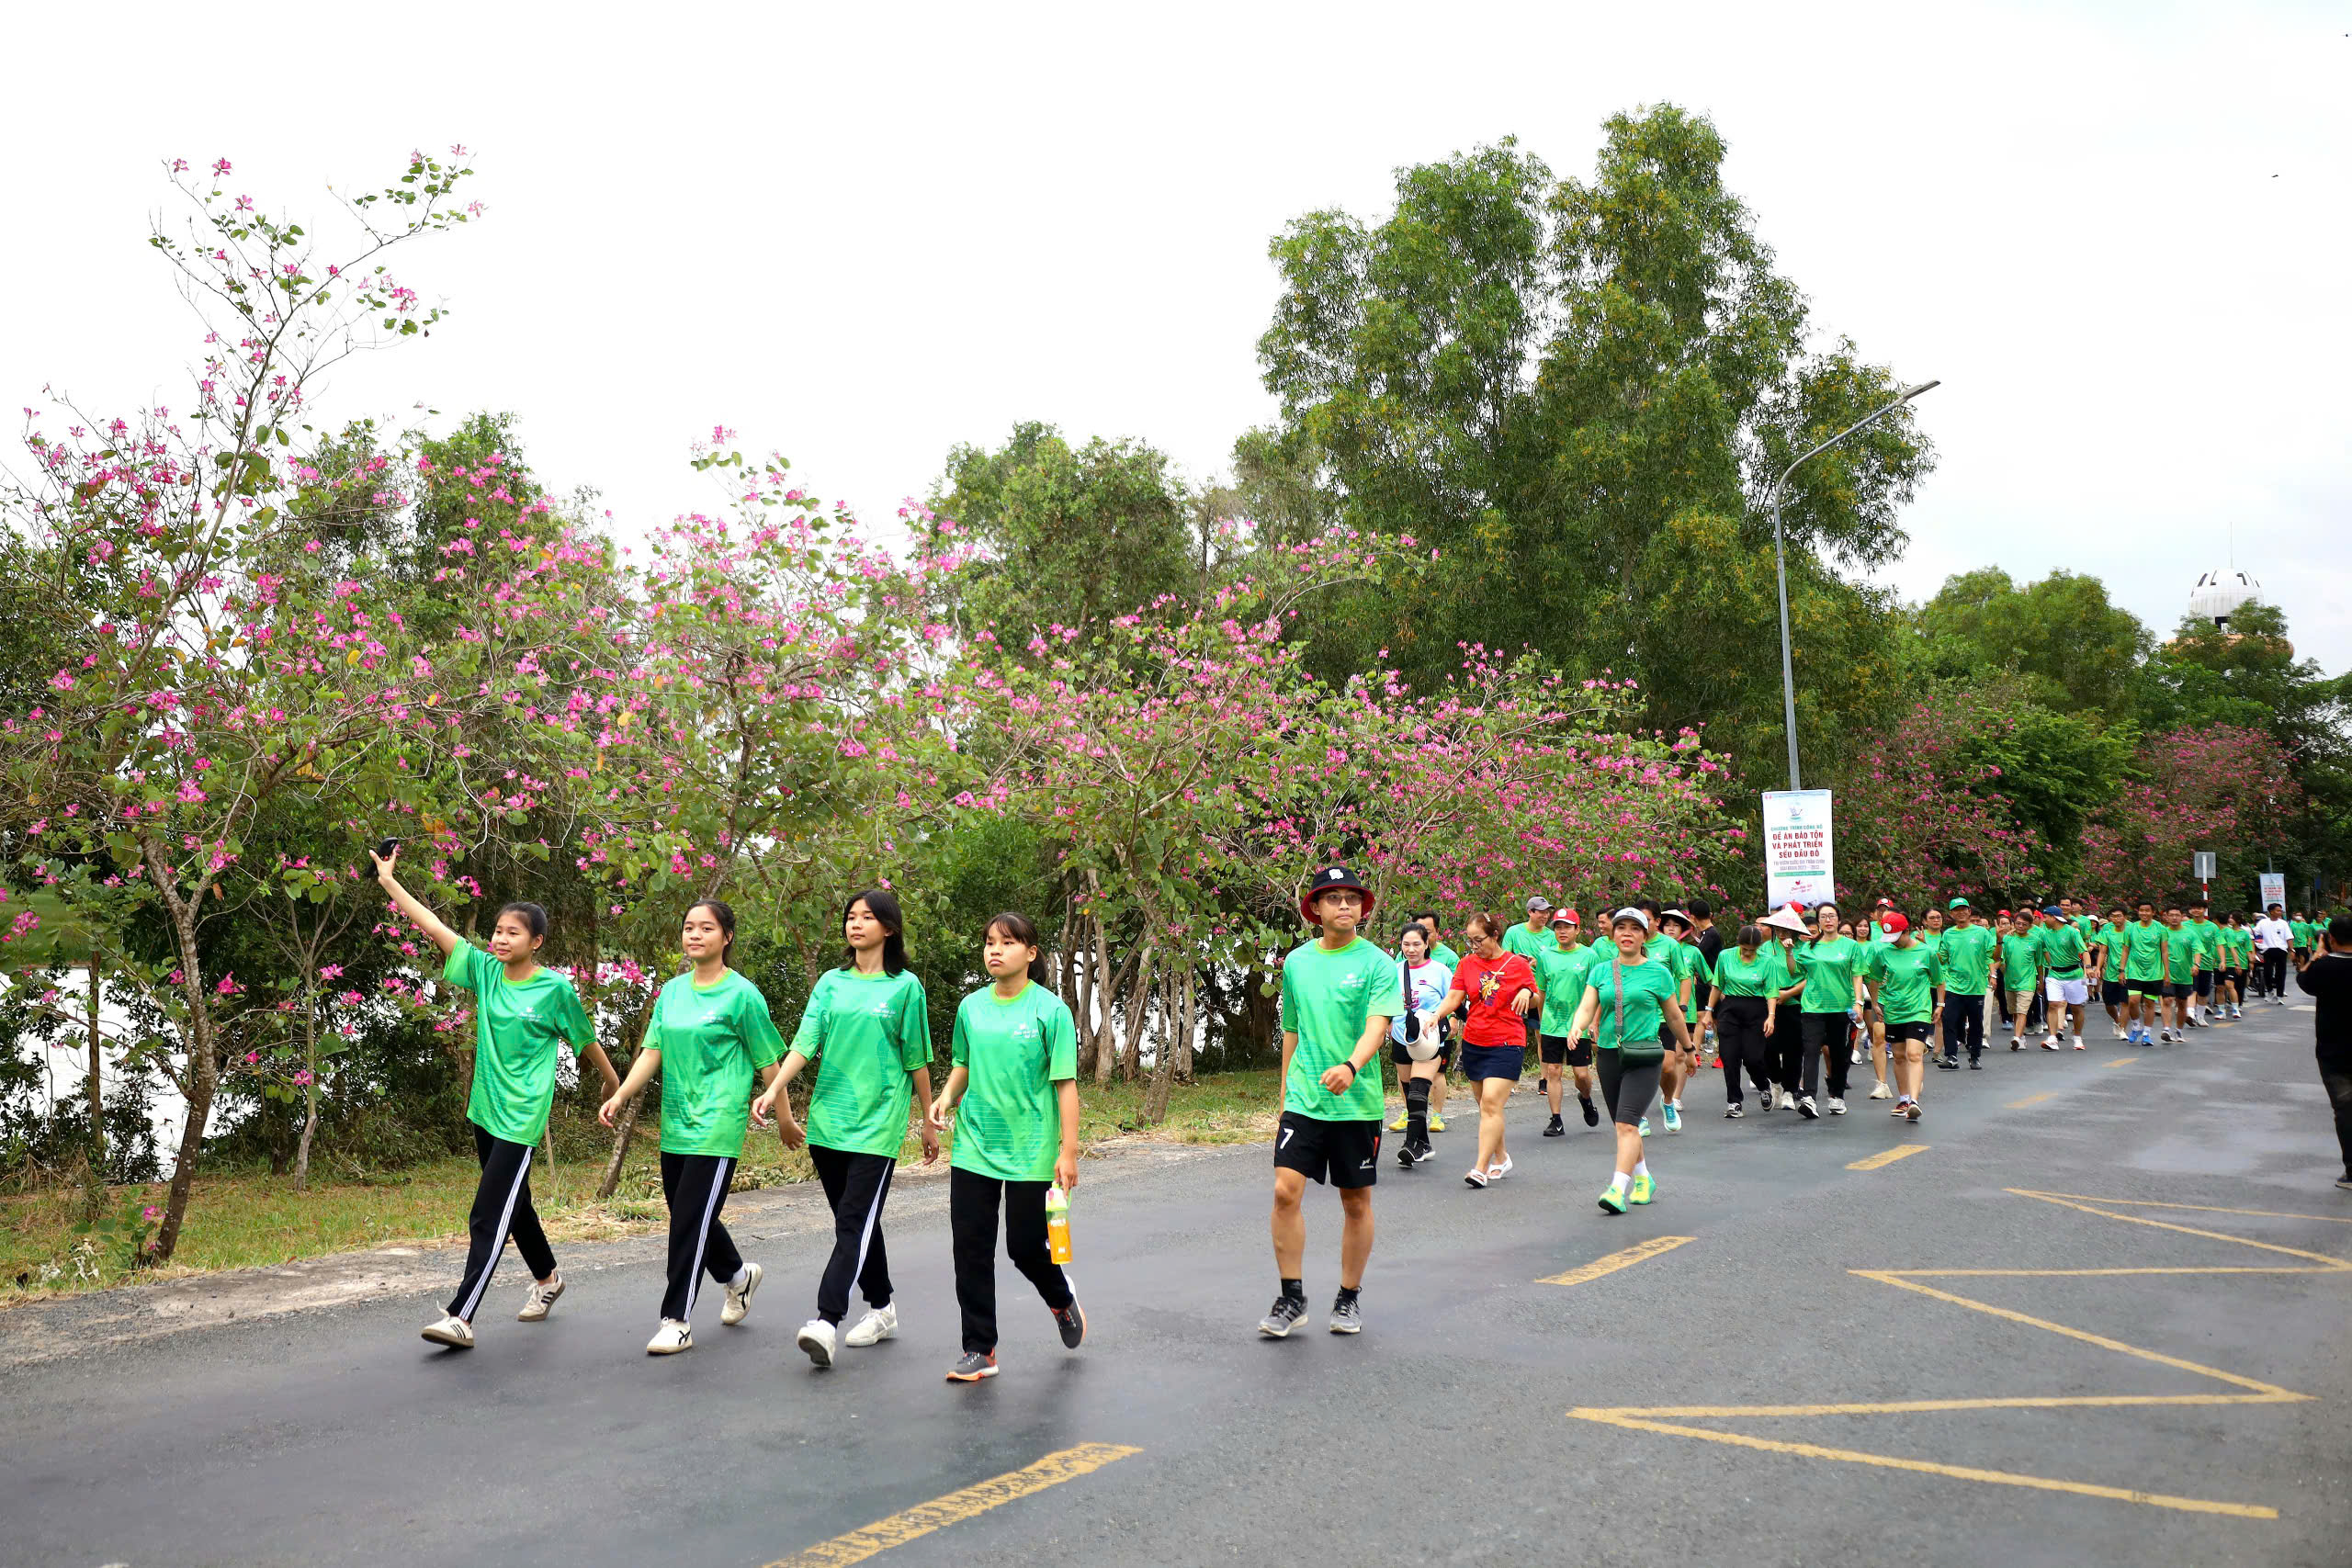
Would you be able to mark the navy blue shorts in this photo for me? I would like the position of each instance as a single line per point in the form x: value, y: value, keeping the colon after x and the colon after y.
x: 1493, y: 1062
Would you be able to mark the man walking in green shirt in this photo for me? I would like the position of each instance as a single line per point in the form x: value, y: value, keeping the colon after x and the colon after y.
x: 1338, y: 993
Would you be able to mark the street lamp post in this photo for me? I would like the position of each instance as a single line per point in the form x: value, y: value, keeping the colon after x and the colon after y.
x: 1780, y: 565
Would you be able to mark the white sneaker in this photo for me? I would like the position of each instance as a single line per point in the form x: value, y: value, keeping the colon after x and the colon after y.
x: 1497, y: 1172
x: 1836, y: 1106
x: 669, y: 1338
x: 2078, y: 1043
x: 738, y: 1303
x: 877, y: 1324
x: 454, y: 1331
x: 539, y: 1298
x: 2050, y: 1042
x: 816, y: 1337
x: 1882, y: 1093
x: 1856, y: 1059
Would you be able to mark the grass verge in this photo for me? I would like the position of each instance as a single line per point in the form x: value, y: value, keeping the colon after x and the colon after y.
x: 241, y: 1219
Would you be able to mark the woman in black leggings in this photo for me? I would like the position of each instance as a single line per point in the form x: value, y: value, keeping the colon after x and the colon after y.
x: 1743, y: 1001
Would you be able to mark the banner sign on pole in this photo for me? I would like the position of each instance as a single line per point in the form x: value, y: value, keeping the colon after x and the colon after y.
x: 1800, y: 864
x: 2201, y: 865
x: 2274, y: 888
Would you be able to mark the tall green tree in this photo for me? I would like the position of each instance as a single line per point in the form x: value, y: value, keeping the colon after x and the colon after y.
x: 1577, y: 392
x: 2073, y: 647
x: 1067, y: 536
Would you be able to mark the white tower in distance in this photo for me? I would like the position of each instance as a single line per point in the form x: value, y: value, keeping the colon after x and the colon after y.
x: 2219, y: 594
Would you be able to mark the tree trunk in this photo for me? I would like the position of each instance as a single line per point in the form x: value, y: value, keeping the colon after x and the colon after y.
x: 1081, y: 959
x: 1188, y: 1019
x: 93, y: 1085
x: 309, y: 1098
x: 621, y: 1136
x: 203, y: 1072
x: 1163, y: 1065
x: 627, y: 1126
x: 1138, y: 1018
x: 1108, y: 990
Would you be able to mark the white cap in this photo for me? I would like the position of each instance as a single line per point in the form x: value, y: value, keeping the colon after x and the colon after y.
x: 1629, y: 913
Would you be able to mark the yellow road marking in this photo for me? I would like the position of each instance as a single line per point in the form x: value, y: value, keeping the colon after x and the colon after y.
x: 858, y: 1545
x: 2119, y: 1062
x: 1664, y: 1418
x: 2191, y: 1208
x: 2032, y: 1099
x: 1886, y: 1156
x: 1616, y: 1260
x: 1928, y: 1467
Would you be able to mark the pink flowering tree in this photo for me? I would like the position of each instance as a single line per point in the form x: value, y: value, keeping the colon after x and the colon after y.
x: 1922, y: 818
x: 2227, y: 788
x: 210, y: 672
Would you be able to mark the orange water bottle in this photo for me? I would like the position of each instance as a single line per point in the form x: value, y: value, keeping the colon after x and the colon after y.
x: 1058, y: 1222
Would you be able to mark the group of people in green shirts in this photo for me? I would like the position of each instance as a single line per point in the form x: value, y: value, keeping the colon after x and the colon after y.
x: 1789, y: 1000
x: 1010, y: 1097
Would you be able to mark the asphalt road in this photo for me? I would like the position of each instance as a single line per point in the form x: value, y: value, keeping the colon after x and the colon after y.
x: 1443, y: 1434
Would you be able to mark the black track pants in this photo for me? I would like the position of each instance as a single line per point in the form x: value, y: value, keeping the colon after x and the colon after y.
x: 2337, y: 1080
x: 856, y: 1186
x: 972, y: 1203
x: 1826, y: 1034
x: 502, y: 1207
x: 1964, y: 1026
x: 1739, y: 1033
x: 696, y: 1186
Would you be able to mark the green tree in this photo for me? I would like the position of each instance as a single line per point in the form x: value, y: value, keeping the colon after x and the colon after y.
x: 1067, y: 536
x: 1576, y: 392
x: 2075, y: 648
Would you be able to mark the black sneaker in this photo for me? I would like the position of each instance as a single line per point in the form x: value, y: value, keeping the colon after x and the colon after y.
x: 1405, y: 1155
x: 1554, y: 1129
x: 2344, y: 1181
x: 1591, y: 1114
x: 1282, y: 1317
x: 972, y: 1366
x: 1949, y: 1064
x: 1975, y: 1064
x: 1071, y: 1321
x: 1347, y: 1314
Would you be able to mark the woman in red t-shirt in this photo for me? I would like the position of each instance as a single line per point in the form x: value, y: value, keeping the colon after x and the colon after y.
x: 1495, y: 991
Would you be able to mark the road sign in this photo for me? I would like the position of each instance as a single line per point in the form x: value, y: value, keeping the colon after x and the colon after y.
x: 2204, y: 867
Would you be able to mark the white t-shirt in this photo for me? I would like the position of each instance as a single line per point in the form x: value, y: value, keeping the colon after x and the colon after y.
x: 2268, y: 934
x: 1430, y: 983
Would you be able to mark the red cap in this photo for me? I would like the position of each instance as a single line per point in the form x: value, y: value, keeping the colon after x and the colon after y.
x: 1895, y: 923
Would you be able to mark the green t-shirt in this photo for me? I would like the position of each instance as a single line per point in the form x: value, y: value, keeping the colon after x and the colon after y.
x: 2109, y: 942
x: 2143, y: 950
x: 1828, y: 966
x: 1527, y: 944
x: 2021, y: 960
x: 710, y: 1040
x: 1446, y: 956
x: 866, y: 1033
x: 1560, y: 974
x: 2062, y: 950
x: 1968, y: 959
x: 1328, y: 999
x: 1009, y: 1123
x: 1649, y: 989
x: 2302, y: 929
x: 1691, y: 963
x: 2086, y: 927
x: 2209, y: 942
x: 2241, y: 943
x: 516, y: 1029
x: 1765, y: 975
x: 2181, y: 949
x: 1907, y: 978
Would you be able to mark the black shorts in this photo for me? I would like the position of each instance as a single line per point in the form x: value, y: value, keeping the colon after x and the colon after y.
x: 1920, y: 1030
x: 1347, y: 1154
x: 2146, y: 987
x: 2112, y: 992
x: 2204, y: 982
x: 1557, y: 1052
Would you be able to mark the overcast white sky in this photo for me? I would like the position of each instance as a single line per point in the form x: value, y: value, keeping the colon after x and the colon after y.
x: 860, y: 234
